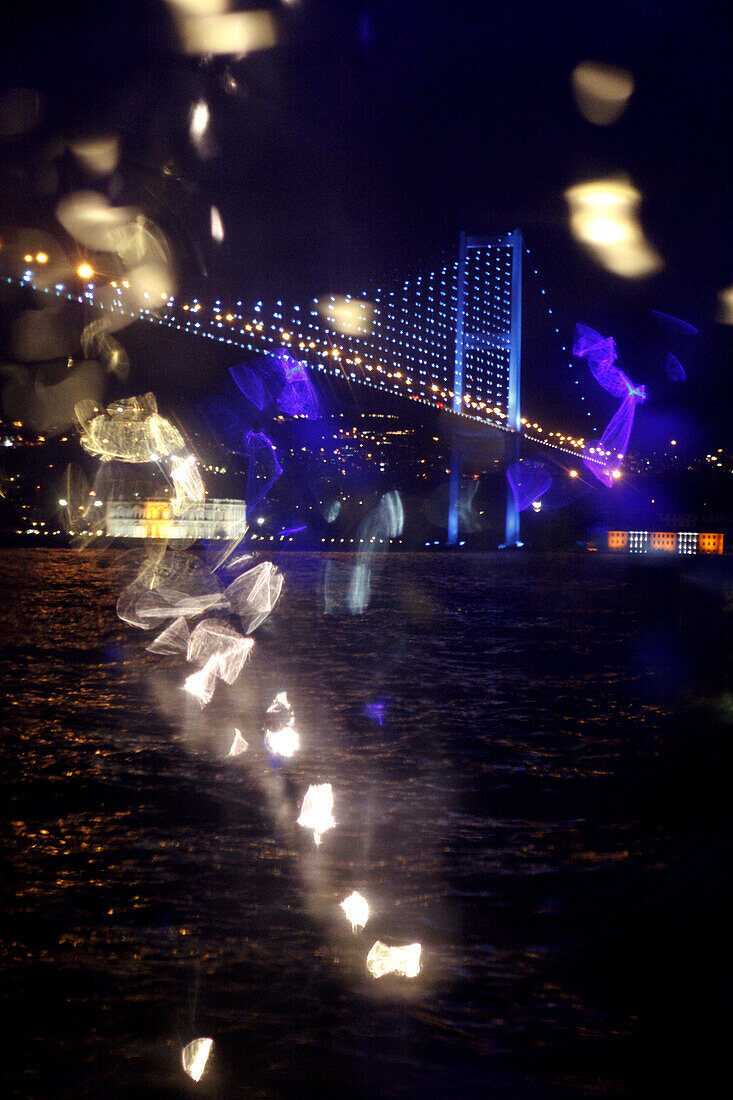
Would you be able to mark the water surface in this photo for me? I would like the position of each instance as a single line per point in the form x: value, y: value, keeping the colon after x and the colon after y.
x: 542, y: 807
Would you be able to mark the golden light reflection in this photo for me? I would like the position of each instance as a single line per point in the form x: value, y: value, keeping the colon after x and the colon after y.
x: 284, y: 742
x: 356, y: 909
x: 194, y: 1057
x: 317, y: 810
x: 383, y: 960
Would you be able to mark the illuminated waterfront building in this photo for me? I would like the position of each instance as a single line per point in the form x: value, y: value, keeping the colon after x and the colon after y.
x: 157, y: 519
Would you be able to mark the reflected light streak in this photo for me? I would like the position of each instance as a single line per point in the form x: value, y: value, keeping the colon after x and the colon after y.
x: 383, y: 960
x: 317, y: 810
x: 239, y: 745
x: 194, y: 1057
x: 356, y: 909
x: 284, y: 742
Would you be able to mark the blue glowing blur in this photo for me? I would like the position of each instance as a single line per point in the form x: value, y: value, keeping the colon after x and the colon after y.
x: 674, y: 324
x: 297, y: 396
x: 250, y: 384
x: 263, y: 468
x: 675, y: 370
x: 277, y: 377
x: 528, y: 481
x: 376, y: 711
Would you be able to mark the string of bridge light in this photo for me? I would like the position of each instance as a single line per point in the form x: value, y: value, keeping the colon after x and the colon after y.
x: 314, y: 342
x: 556, y: 332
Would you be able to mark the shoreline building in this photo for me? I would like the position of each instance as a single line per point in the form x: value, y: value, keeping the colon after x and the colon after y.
x: 156, y: 519
x: 665, y: 542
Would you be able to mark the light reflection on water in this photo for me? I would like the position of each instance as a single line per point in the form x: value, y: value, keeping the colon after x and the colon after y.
x: 158, y: 890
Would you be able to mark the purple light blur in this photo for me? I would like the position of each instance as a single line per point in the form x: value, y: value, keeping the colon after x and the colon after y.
x: 528, y: 481
x: 263, y: 468
x: 600, y: 351
x: 297, y: 396
x: 603, y: 457
x: 376, y: 712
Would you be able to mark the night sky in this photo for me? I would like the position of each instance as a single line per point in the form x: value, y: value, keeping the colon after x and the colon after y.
x: 358, y: 148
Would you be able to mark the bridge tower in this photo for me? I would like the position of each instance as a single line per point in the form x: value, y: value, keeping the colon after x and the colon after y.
x: 473, y: 334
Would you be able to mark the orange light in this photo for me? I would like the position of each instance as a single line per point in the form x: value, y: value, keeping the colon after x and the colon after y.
x: 84, y: 271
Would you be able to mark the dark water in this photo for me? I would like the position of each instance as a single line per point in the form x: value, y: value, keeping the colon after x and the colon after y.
x: 544, y: 808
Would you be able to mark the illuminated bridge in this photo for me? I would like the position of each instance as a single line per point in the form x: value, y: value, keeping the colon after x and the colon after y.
x: 449, y: 338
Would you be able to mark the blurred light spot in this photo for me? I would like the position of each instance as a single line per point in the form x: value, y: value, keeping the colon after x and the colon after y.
x: 604, y: 217
x: 228, y: 33
x: 199, y: 120
x: 602, y: 92
x: 284, y: 742
x: 217, y: 226
x: 84, y: 271
x: 200, y: 7
x: 725, y: 306
x: 89, y: 218
x: 99, y: 156
x: 353, y: 317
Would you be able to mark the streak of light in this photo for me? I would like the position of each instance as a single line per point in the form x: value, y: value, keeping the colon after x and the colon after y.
x: 217, y: 226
